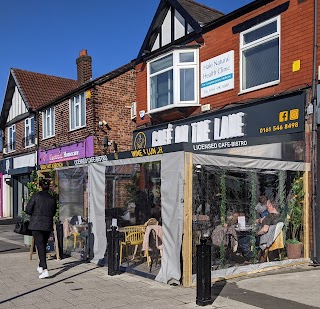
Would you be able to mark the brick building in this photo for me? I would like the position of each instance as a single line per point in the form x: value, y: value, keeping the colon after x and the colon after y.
x: 48, y: 121
x: 229, y: 87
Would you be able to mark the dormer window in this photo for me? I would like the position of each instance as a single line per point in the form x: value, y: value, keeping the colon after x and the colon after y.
x: 77, y: 112
x: 29, y: 132
x: 173, y: 80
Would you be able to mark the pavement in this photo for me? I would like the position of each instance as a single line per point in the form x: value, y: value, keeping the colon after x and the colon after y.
x: 75, y: 284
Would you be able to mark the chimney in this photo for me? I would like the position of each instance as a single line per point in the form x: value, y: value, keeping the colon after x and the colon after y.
x: 84, y: 67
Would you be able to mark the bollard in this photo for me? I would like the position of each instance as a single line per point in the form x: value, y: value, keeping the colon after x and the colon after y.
x: 113, y: 252
x: 204, y: 273
x: 59, y: 227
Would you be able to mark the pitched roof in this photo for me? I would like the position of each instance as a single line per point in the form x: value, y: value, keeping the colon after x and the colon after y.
x: 199, y: 12
x: 38, y: 89
x: 195, y: 14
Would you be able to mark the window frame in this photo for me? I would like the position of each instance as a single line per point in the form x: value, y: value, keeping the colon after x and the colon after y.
x: 45, y: 124
x: 30, y: 130
x: 82, y: 101
x: 176, y: 67
x: 255, y: 43
x: 12, y: 138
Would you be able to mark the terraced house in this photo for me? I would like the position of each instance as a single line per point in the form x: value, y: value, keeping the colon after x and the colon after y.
x: 50, y: 120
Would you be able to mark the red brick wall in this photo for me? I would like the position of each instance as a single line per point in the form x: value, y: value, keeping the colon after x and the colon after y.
x: 20, y: 143
x: 296, y: 42
x: 111, y: 102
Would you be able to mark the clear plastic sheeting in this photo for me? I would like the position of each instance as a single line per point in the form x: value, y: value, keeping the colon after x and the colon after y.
x: 116, y: 177
x: 229, y: 198
x: 73, y: 208
x: 252, y: 268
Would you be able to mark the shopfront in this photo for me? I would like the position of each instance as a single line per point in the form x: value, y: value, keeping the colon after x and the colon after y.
x: 71, y: 186
x: 16, y: 177
x: 195, y: 175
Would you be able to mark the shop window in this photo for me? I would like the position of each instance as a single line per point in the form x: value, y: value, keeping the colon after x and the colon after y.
x: 224, y: 198
x: 29, y: 132
x: 173, y: 80
x: 260, y: 55
x: 132, y: 193
x: 12, y: 138
x: 48, y: 122
x: 77, y: 112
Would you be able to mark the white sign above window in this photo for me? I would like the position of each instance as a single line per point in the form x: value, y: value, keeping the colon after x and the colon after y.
x: 217, y: 74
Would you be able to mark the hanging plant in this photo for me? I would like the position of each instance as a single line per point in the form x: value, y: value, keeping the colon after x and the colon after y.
x: 282, y: 190
x: 253, y: 214
x: 223, y: 208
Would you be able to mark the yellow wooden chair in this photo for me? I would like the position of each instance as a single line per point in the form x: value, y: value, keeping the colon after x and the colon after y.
x: 133, y: 236
x: 278, y: 244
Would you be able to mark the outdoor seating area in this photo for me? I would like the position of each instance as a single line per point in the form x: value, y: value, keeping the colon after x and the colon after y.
x: 145, y: 240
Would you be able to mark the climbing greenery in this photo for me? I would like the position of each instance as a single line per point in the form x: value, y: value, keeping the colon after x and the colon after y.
x: 33, y: 186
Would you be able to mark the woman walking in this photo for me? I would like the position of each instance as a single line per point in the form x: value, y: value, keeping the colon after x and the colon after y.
x: 42, y: 207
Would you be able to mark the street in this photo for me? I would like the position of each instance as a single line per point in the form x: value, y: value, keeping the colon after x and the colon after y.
x: 75, y: 284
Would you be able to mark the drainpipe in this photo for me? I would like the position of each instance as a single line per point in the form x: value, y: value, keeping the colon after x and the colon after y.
x: 315, y: 211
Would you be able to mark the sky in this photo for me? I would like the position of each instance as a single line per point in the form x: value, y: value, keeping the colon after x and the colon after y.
x: 46, y: 36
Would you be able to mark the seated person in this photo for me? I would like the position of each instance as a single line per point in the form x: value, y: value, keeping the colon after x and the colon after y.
x: 261, y: 207
x: 226, y: 234
x: 271, y: 219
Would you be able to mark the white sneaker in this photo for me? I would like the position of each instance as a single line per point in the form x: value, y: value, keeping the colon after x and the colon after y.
x: 44, y: 274
x: 39, y: 269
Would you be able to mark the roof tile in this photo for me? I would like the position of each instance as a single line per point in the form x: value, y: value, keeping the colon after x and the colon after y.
x: 199, y: 12
x: 38, y: 89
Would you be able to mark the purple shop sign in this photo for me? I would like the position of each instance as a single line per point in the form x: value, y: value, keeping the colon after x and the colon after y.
x: 75, y: 151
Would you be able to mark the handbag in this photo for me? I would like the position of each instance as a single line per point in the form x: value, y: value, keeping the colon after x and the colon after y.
x: 22, y: 227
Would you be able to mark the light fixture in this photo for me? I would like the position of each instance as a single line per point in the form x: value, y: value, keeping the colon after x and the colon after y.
x: 105, y: 142
x: 104, y: 123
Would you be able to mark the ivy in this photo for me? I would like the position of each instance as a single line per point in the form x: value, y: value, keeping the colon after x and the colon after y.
x: 33, y: 187
x: 223, y: 208
x: 253, y: 214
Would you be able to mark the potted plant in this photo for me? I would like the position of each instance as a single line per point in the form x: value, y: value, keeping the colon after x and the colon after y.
x: 295, y: 212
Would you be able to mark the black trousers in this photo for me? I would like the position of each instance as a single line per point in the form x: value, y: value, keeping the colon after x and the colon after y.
x: 41, y: 240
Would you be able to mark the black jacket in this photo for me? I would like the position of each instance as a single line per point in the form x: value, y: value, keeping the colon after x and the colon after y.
x: 42, y: 207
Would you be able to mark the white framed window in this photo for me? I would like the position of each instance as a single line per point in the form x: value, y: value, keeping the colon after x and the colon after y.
x: 77, y: 112
x: 260, y: 55
x: 48, y: 123
x: 12, y: 138
x: 29, y: 132
x: 173, y: 80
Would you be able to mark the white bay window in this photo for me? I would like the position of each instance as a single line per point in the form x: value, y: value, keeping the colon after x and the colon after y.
x: 173, y: 80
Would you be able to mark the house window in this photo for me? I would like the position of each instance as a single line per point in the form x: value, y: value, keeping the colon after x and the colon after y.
x: 77, y: 112
x: 48, y: 122
x: 12, y: 138
x: 29, y: 132
x: 173, y: 80
x: 260, y: 55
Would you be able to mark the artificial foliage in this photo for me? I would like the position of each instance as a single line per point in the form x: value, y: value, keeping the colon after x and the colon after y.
x: 253, y: 214
x: 282, y: 191
x: 223, y: 209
